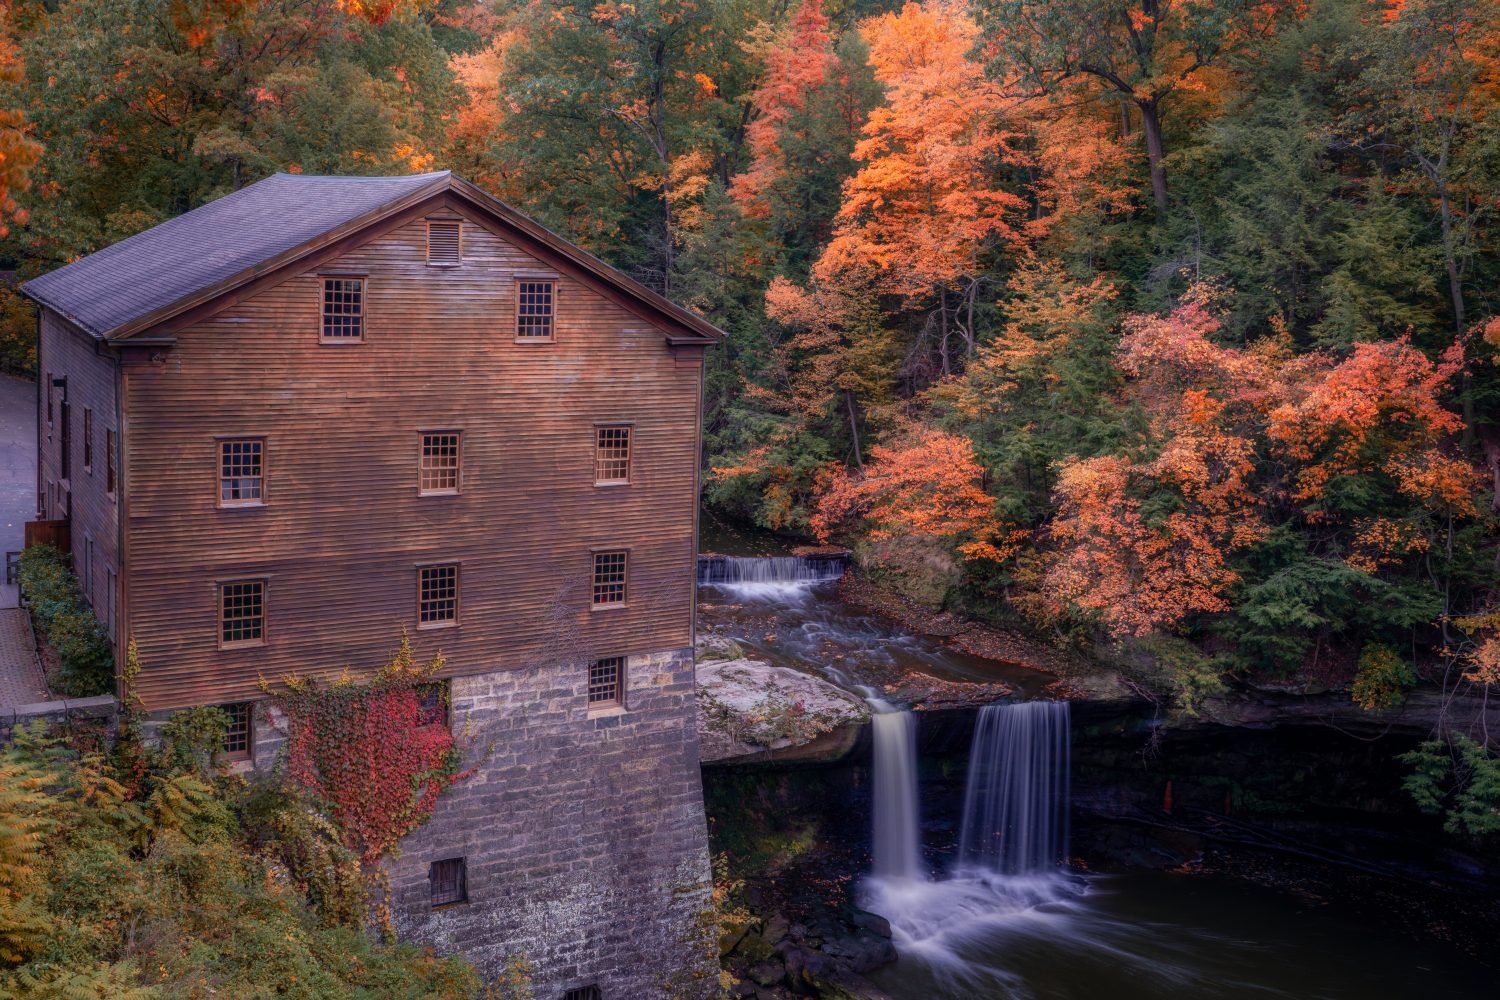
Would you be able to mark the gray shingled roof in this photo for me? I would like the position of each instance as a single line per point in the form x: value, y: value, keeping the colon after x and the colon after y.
x: 182, y: 257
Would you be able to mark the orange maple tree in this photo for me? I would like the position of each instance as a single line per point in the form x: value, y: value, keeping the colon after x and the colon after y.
x: 925, y: 206
x: 1142, y: 540
x: 17, y: 152
x: 929, y: 483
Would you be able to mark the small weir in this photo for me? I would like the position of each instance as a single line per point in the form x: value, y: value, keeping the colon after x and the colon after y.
x: 770, y: 570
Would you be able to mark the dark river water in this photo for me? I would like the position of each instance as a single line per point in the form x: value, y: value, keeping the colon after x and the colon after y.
x: 1134, y: 934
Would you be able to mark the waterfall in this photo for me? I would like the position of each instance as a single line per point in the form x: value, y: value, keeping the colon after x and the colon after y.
x: 897, y: 849
x: 1015, y: 818
x: 730, y: 570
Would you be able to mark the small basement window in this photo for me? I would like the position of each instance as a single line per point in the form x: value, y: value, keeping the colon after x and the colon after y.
x: 534, y: 301
x: 241, y: 471
x: 609, y: 579
x: 449, y: 881
x: 437, y: 595
x: 242, y: 612
x: 88, y: 440
x: 607, y: 682
x: 433, y: 699
x: 612, y: 455
x: 439, y: 465
x: 445, y: 243
x: 239, y: 737
x: 584, y: 993
x: 343, y: 310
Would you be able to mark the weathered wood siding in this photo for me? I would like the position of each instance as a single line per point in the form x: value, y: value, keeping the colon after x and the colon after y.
x: 64, y: 351
x: 343, y: 528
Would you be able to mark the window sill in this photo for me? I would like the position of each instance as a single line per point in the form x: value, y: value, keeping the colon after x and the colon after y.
x: 434, y: 626
x: 611, y: 482
x: 445, y: 267
x: 606, y: 711
x: 246, y: 505
x: 438, y: 907
x: 340, y: 341
x: 232, y: 646
x: 535, y: 340
x: 609, y: 607
x: 439, y: 493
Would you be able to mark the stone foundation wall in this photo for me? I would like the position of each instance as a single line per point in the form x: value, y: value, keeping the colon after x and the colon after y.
x: 582, y: 833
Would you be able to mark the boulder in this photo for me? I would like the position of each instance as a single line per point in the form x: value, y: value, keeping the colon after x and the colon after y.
x: 767, y: 973
x: 872, y: 922
x: 746, y: 706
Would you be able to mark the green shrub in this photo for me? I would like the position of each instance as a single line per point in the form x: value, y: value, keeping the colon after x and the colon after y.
x: 1382, y: 678
x: 82, y: 644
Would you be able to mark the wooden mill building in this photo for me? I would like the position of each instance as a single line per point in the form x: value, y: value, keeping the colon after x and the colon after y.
x: 289, y: 423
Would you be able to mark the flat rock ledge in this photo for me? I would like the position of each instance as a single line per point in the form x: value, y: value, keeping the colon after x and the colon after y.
x: 748, y: 707
x: 926, y: 693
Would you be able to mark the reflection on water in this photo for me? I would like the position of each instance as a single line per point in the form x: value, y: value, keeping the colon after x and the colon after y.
x: 1147, y: 936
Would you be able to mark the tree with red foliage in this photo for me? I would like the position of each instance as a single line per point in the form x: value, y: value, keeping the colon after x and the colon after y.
x: 798, y: 61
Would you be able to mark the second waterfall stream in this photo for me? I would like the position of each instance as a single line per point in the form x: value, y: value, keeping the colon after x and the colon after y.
x: 1008, y: 876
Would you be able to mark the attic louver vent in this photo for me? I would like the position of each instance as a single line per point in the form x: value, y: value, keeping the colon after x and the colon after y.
x: 444, y: 246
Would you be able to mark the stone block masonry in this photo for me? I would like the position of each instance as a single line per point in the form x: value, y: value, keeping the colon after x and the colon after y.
x: 582, y: 832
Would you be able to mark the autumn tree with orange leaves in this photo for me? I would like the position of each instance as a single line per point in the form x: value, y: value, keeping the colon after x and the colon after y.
x: 927, y: 484
x: 17, y: 152
x: 925, y: 210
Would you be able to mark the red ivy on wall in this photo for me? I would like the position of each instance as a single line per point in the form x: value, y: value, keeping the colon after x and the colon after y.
x: 368, y: 752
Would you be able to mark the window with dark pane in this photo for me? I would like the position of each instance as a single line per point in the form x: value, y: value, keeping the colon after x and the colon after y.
x: 432, y: 703
x: 445, y: 243
x: 238, y: 738
x: 88, y: 440
x: 241, y: 471
x: 612, y: 455
x: 449, y: 881
x: 242, y: 611
x: 440, y: 463
x: 343, y: 309
x: 609, y: 578
x: 534, y: 309
x: 437, y: 592
x: 607, y: 682
x: 584, y: 993
x: 109, y: 461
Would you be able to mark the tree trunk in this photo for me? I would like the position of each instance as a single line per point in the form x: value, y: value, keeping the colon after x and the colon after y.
x: 1151, y: 125
x: 859, y: 461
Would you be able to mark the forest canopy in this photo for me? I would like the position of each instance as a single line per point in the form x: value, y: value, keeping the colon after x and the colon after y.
x: 1118, y: 320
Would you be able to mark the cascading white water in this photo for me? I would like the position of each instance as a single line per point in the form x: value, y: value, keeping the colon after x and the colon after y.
x: 769, y: 575
x: 1007, y: 883
x: 897, y: 851
x: 1015, y: 819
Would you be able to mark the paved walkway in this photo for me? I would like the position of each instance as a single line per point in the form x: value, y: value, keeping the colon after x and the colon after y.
x: 21, y: 681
